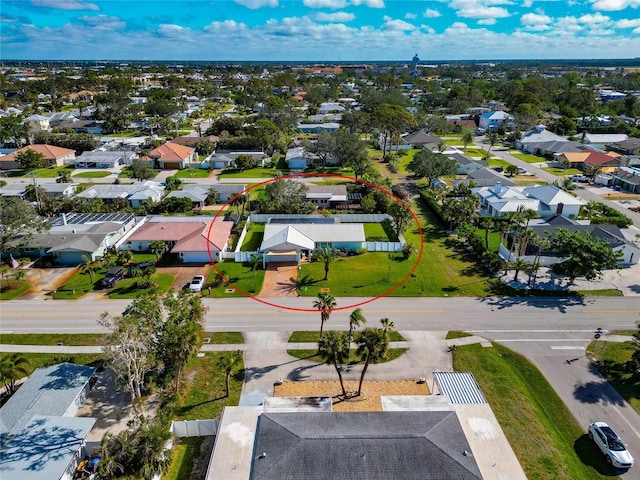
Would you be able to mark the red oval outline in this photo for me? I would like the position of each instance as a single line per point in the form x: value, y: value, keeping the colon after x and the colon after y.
x: 331, y: 175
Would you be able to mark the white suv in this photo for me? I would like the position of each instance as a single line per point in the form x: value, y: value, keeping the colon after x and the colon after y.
x: 196, y: 283
x: 613, y: 448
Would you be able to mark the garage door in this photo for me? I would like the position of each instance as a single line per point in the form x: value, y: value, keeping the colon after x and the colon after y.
x: 272, y: 257
x: 171, y: 165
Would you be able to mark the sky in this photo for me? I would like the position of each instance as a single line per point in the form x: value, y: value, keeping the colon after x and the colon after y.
x: 318, y: 30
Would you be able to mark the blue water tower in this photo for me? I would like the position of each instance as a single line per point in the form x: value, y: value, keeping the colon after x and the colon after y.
x: 415, y: 60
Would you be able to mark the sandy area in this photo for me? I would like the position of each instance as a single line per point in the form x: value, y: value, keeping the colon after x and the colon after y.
x: 369, y: 401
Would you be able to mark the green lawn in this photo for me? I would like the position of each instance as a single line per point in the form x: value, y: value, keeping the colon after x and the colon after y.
x: 78, y: 285
x: 375, y: 232
x: 204, y: 394
x: 85, y: 339
x: 354, y: 358
x: 453, y: 334
x: 225, y: 337
x: 50, y: 172
x: 313, y: 336
x: 444, y: 269
x: 527, y: 157
x: 125, y: 288
x: 193, y: 173
x: 545, y: 437
x: 240, y: 275
x: 253, y: 238
x: 251, y: 173
x: 497, y: 162
x: 563, y: 171
x: 183, y: 455
x: 96, y: 174
x: 11, y: 290
x: 610, y: 358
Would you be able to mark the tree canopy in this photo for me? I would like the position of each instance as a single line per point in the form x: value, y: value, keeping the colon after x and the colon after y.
x: 430, y: 165
x: 18, y: 222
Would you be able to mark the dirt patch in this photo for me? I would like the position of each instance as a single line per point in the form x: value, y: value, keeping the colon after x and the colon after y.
x: 45, y: 281
x: 368, y: 401
x: 280, y: 280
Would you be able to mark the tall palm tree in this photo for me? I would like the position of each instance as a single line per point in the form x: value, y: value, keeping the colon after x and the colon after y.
x: 518, y: 265
x: 13, y: 367
x: 487, y: 224
x: 387, y: 325
x: 372, y: 347
x: 226, y: 363
x: 89, y: 266
x: 325, y: 303
x: 493, y: 138
x: 326, y: 255
x: 467, y: 137
x: 158, y: 248
x: 333, y: 347
x: 355, y: 320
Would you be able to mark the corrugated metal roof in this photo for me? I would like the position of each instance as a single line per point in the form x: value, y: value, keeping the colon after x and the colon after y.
x: 460, y: 387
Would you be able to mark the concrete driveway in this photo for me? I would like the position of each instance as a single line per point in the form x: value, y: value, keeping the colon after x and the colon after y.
x: 280, y: 280
x: 46, y: 280
x: 185, y: 273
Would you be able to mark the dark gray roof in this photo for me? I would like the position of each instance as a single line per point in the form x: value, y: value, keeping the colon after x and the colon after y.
x: 628, y: 144
x: 486, y: 177
x: 363, y: 446
x: 610, y: 234
x: 421, y: 137
x: 48, y: 391
x: 463, y: 159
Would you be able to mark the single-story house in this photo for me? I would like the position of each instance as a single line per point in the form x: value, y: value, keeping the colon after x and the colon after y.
x: 465, y: 163
x: 227, y: 159
x: 198, y: 193
x: 193, y: 141
x: 84, y: 126
x: 627, y: 178
x: 298, y: 158
x: 329, y: 107
x: 529, y: 140
x: 327, y: 196
x: 104, y: 159
x: 589, y: 158
x: 288, y: 241
x: 485, y: 177
x: 421, y: 139
x: 603, y: 138
x: 192, y: 238
x: 73, y: 236
x: 546, y: 200
x: 317, y: 127
x: 37, y: 122
x: 136, y: 194
x: 172, y: 156
x: 630, y: 146
x: 494, y: 120
x: 54, y: 189
x: 53, y: 156
x: 40, y: 435
x: 610, y: 234
x: 555, y: 147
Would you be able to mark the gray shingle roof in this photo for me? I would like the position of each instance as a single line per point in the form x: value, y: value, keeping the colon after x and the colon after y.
x: 363, y: 446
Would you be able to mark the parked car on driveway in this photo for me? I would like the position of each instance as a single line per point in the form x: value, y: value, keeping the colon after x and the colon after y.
x: 196, y: 284
x: 613, y: 448
x: 112, y: 277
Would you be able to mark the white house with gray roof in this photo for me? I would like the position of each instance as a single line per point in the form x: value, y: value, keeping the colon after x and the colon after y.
x: 104, y: 159
x: 136, y: 194
x: 198, y: 193
x: 40, y: 435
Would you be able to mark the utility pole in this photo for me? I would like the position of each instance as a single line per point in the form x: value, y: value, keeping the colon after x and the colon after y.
x: 35, y: 189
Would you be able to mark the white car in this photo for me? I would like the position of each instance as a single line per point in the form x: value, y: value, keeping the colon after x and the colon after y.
x: 613, y: 448
x: 196, y: 283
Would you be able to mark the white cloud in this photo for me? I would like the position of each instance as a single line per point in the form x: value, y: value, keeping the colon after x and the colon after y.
x: 625, y: 23
x: 103, y: 21
x: 487, y: 21
x: 594, y: 18
x: 411, y: 16
x: 173, y: 31
x: 226, y: 27
x: 430, y: 13
x: 614, y: 5
x: 334, y: 17
x: 397, y: 25
x: 332, y: 4
x: 636, y: 31
x: 369, y: 3
x: 536, y: 21
x: 479, y: 8
x: 66, y: 4
x: 255, y: 4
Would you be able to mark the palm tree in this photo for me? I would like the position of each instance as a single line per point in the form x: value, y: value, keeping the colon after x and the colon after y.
x: 12, y: 368
x: 387, y: 325
x: 355, y: 320
x: 89, y: 266
x: 19, y: 275
x: 467, y: 137
x: 372, y: 347
x: 518, y: 265
x: 325, y: 303
x: 493, y: 138
x: 333, y: 347
x: 326, y: 255
x: 226, y: 363
x: 590, y: 209
x: 442, y: 146
x: 486, y: 223
x: 212, y: 197
x: 592, y: 171
x: 158, y: 248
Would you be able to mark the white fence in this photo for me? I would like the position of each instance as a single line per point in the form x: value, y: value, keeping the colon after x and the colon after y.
x: 343, y: 218
x: 382, y: 246
x: 238, y: 256
x: 194, y: 428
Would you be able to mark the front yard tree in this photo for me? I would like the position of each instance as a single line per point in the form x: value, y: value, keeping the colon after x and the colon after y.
x: 372, y: 347
x: 141, y: 170
x: 226, y: 363
x: 356, y: 319
x: 325, y: 303
x: 392, y: 120
x: 18, y: 222
x: 585, y: 255
x: 327, y: 256
x: 30, y: 159
x: 158, y: 248
x: 13, y: 367
x: 286, y: 195
x: 400, y: 218
x: 430, y: 165
x: 511, y: 170
x: 348, y: 148
x: 466, y: 136
x: 333, y: 347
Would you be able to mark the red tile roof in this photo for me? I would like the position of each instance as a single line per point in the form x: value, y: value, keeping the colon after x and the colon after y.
x: 597, y: 159
x: 171, y: 152
x: 50, y: 152
x: 189, y: 236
